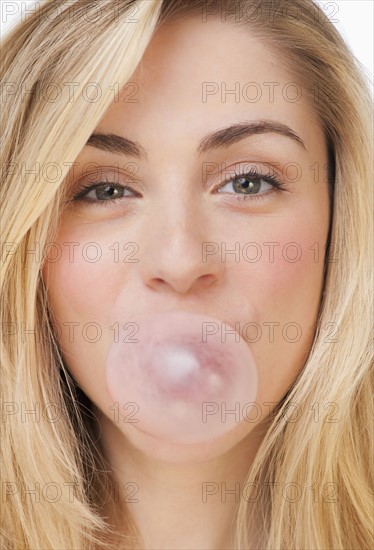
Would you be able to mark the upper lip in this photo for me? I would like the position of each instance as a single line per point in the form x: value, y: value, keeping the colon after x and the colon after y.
x: 230, y: 323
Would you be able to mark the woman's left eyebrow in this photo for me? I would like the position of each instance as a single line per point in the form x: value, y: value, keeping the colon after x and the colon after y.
x: 236, y: 132
x: 218, y: 139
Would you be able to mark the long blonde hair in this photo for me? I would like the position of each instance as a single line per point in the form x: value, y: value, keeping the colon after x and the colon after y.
x: 326, y: 455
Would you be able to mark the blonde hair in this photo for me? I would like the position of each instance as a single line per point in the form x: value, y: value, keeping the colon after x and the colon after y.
x: 88, y: 42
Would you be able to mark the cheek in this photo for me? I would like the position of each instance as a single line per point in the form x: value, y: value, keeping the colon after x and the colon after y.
x: 291, y: 269
x: 283, y: 261
x: 85, y: 279
x: 82, y: 285
x: 284, y: 287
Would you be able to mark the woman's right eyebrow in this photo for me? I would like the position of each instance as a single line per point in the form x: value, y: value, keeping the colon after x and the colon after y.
x: 112, y: 143
x: 218, y: 139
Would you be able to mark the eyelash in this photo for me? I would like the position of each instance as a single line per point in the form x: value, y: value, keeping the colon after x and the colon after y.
x: 252, y: 173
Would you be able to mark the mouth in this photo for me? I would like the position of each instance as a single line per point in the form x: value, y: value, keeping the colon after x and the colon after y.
x: 174, y: 371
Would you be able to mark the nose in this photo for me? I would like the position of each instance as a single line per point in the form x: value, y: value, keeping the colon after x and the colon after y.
x: 174, y: 254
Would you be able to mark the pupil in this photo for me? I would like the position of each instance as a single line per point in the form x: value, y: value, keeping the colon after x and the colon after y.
x: 244, y: 183
x: 106, y: 192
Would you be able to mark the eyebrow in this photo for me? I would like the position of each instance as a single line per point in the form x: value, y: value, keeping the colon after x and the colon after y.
x: 116, y: 144
x: 237, y: 132
x: 215, y: 140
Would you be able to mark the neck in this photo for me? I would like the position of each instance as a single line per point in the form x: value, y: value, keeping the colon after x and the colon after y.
x: 178, y: 506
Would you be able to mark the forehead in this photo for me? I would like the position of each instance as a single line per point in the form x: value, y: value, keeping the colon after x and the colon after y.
x: 196, y: 76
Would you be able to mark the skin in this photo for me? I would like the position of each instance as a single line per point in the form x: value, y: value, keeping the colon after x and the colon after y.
x: 169, y: 217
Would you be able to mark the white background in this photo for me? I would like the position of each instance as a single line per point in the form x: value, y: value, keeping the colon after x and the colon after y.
x: 353, y: 18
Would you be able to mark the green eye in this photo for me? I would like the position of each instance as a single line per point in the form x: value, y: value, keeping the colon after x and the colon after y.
x: 106, y: 192
x: 100, y: 192
x: 250, y: 184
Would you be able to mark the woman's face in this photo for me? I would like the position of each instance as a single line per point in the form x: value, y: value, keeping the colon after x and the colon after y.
x: 187, y: 233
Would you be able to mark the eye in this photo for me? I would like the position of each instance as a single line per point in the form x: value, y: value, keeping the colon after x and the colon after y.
x: 106, y: 192
x: 251, y: 183
x: 103, y: 191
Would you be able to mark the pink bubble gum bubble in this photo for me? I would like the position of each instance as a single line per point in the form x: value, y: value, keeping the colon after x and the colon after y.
x: 184, y: 374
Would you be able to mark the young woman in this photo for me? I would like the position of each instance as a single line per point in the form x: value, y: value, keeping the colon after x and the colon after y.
x: 166, y: 158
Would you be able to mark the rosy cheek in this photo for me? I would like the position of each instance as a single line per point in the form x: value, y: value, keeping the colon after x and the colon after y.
x: 289, y: 263
x: 283, y: 288
x: 80, y: 292
x: 280, y: 259
x: 84, y: 277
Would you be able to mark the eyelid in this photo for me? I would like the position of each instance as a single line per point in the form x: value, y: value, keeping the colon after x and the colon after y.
x: 117, y: 174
